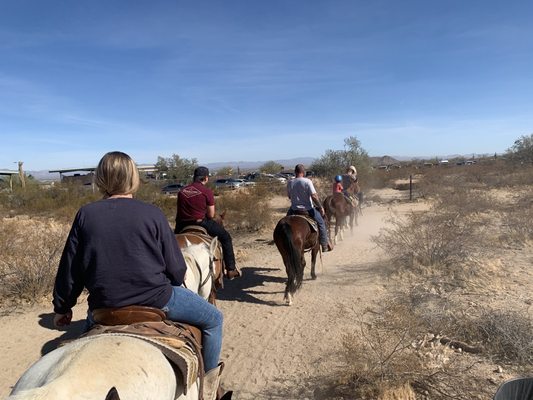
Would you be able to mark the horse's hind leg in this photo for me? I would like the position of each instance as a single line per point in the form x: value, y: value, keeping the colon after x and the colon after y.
x: 288, y: 296
x: 314, y: 252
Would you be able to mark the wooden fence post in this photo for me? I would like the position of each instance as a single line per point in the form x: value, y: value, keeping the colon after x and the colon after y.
x: 410, y: 187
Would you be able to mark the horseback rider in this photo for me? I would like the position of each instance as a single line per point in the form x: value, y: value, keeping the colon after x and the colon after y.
x: 123, y: 251
x: 196, y: 206
x: 302, y: 194
x: 350, y: 185
x: 337, y: 185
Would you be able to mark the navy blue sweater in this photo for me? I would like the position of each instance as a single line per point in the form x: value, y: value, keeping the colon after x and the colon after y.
x: 124, y: 252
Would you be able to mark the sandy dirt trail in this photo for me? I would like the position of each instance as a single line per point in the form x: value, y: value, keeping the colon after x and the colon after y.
x: 271, y: 350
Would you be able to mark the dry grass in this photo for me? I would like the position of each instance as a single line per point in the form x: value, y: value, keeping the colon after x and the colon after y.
x: 516, y: 226
x: 247, y: 209
x: 430, y: 337
x: 60, y: 202
x: 31, y: 247
x: 30, y: 251
x: 435, y: 245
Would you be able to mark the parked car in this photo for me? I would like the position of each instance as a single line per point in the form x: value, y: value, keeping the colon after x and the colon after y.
x: 276, y: 178
x: 173, y: 188
x: 262, y: 177
x: 228, y: 183
x: 245, y: 183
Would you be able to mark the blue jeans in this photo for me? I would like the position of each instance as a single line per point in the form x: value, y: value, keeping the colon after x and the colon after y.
x: 186, y: 306
x: 322, y: 231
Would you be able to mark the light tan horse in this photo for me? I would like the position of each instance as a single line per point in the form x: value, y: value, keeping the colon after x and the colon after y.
x: 113, y: 367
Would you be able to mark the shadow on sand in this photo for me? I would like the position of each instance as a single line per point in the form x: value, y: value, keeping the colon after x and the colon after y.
x: 73, y: 331
x: 244, y: 288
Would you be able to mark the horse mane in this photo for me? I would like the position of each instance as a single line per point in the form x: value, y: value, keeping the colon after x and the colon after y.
x: 190, y: 252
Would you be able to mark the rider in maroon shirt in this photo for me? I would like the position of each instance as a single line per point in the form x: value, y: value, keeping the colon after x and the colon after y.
x: 196, y: 206
x: 193, y: 202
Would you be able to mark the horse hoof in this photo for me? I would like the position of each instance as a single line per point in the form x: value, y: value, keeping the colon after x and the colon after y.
x: 313, y: 277
x: 288, y: 299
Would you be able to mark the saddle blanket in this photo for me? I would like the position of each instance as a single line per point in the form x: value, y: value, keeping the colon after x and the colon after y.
x: 178, y: 346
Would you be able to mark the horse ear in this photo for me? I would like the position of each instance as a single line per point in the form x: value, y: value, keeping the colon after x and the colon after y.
x: 112, y: 394
x: 222, y: 215
x: 187, y: 242
x: 213, y: 245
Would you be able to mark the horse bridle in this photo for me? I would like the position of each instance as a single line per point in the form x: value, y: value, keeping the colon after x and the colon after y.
x: 211, y: 273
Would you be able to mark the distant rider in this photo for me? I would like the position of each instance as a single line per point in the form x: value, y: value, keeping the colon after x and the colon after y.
x: 350, y: 185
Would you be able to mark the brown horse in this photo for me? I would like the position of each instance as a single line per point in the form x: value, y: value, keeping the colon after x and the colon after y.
x: 294, y: 236
x: 345, y: 211
x: 338, y: 207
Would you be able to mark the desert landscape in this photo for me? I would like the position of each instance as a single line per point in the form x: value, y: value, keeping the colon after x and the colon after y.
x: 307, y: 350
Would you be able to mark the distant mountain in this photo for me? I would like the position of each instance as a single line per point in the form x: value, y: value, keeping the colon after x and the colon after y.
x: 385, y: 160
x: 243, y: 166
x: 246, y: 166
x: 43, y: 176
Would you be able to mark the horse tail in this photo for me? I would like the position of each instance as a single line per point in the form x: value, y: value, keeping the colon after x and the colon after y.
x: 295, y: 271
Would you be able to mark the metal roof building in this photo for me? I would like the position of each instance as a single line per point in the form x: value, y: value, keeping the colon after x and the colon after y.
x: 10, y: 173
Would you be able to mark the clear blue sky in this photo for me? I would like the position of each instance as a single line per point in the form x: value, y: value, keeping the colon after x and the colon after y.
x: 253, y: 80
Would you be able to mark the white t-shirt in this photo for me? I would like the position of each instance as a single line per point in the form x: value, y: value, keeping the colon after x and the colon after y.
x: 299, y: 191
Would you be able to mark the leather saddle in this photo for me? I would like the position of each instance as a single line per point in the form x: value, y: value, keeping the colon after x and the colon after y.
x: 305, y: 215
x: 179, y: 342
x: 131, y: 315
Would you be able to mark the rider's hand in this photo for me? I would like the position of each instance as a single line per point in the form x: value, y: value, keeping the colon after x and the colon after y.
x: 322, y: 212
x: 61, y: 320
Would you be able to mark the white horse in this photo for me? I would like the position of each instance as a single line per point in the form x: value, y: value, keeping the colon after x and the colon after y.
x: 200, y: 275
x: 108, y: 367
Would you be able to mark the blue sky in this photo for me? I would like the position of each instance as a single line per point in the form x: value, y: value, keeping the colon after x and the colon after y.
x: 253, y: 80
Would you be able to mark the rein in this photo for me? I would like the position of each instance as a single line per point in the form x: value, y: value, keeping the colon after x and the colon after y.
x: 210, y: 275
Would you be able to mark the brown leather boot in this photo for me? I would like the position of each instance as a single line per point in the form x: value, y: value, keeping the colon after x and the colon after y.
x: 327, y: 247
x: 232, y: 274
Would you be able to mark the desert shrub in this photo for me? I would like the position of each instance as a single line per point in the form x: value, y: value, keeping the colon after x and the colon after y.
x: 30, y: 255
x: 246, y: 209
x: 502, y: 336
x: 439, y: 244
x: 150, y: 192
x: 517, y: 227
x: 506, y: 335
x: 465, y: 202
x: 391, y: 355
x: 60, y: 201
x: 410, y: 343
x: 379, y: 355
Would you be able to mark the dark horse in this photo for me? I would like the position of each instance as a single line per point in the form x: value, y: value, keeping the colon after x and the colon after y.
x: 345, y: 211
x: 294, y: 236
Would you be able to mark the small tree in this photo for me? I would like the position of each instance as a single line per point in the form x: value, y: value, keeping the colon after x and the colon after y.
x: 522, y: 149
x: 271, y: 167
x: 177, y: 168
x: 225, y: 171
x: 334, y: 162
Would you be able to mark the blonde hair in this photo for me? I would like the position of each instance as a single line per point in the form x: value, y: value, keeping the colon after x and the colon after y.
x: 116, y: 173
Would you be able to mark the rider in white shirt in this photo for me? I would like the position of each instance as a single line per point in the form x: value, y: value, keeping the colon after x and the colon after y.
x: 303, y: 194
